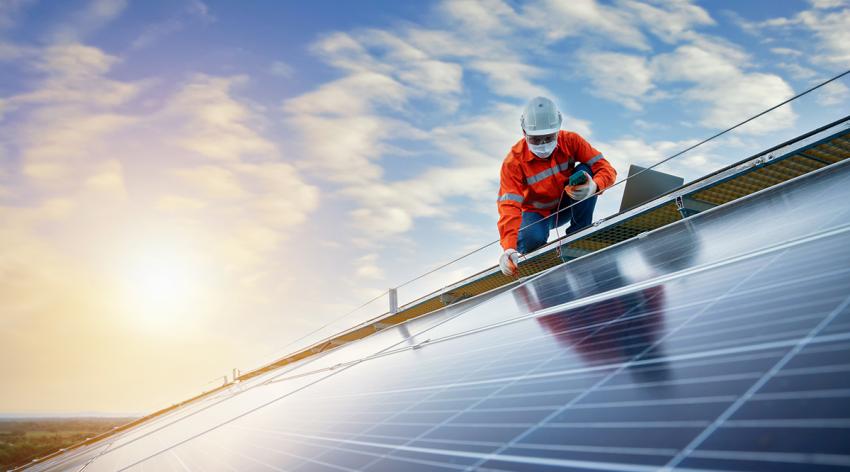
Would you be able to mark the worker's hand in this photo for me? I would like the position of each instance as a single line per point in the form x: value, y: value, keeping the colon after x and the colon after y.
x: 509, y: 261
x: 580, y: 192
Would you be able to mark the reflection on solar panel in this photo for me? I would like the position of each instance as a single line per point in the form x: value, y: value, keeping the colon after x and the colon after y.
x: 719, y: 342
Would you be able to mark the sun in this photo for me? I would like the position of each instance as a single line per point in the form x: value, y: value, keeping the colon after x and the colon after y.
x: 161, y: 284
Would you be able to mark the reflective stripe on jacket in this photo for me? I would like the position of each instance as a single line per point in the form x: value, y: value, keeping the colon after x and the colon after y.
x: 529, y: 183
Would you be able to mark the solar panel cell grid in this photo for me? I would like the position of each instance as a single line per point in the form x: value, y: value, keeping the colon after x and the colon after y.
x: 708, y: 375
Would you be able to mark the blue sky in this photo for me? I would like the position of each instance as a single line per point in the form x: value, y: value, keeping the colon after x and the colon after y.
x: 195, y: 184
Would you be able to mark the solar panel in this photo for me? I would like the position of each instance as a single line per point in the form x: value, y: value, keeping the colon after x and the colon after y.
x: 720, y: 342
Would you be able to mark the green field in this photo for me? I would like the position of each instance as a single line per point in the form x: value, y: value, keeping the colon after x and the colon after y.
x: 24, y: 439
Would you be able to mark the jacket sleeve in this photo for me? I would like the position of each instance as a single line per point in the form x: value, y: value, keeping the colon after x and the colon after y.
x: 604, y: 173
x: 511, y: 191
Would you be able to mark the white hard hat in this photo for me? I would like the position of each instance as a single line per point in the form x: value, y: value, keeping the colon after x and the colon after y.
x: 540, y: 116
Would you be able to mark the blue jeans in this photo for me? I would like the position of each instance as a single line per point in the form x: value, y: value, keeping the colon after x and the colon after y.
x: 532, y: 236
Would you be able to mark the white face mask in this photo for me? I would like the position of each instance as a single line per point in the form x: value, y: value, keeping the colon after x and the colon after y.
x: 543, y: 150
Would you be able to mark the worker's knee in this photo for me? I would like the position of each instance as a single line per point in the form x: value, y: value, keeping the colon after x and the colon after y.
x: 582, y: 214
x: 533, y: 237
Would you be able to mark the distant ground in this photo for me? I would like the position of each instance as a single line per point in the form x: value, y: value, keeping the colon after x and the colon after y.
x: 24, y: 439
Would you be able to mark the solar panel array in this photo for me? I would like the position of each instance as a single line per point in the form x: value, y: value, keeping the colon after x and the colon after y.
x: 719, y: 342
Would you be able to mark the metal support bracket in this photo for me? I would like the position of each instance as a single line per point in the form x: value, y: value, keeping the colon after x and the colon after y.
x: 688, y: 206
x: 573, y: 253
x: 393, y: 293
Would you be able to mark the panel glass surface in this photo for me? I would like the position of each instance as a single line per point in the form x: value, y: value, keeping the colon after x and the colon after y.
x: 729, y: 368
x: 692, y: 348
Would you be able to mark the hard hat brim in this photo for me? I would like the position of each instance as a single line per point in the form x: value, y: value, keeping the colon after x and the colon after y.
x: 542, y: 132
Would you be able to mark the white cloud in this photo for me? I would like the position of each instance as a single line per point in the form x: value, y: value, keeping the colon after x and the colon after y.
x: 824, y: 4
x: 720, y: 81
x: 585, y: 17
x: 622, y: 78
x: 195, y: 11
x: 346, y: 126
x: 70, y: 74
x: 786, y: 52
x: 630, y: 150
x: 705, y: 61
x: 11, y: 52
x: 511, y: 78
x: 95, y: 15
x: 357, y: 94
x: 215, y: 182
x: 798, y: 71
x: 209, y: 121
x: 381, y: 222
x: 833, y: 94
x: 833, y: 32
x: 366, y: 267
x: 282, y: 69
x: 475, y: 145
x: 155, y: 32
x: 467, y: 230
x: 670, y: 21
x: 68, y: 114
x: 10, y: 10
x: 743, y: 96
x: 715, y: 74
x: 106, y: 9
x: 650, y: 126
x: 479, y: 17
x: 280, y: 198
x: 377, y: 51
x: 64, y: 152
x: 343, y: 149
x: 830, y: 29
x: 107, y: 179
x: 432, y: 76
x: 179, y: 203
x: 451, y: 44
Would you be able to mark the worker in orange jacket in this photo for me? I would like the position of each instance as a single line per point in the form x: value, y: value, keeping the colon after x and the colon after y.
x: 535, y: 180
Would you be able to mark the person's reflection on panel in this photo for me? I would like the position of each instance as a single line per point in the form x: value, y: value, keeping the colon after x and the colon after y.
x: 610, y: 331
x: 618, y: 328
x: 613, y: 330
x: 671, y: 254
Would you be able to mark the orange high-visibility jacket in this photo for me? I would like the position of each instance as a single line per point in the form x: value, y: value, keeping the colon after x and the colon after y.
x: 532, y: 184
